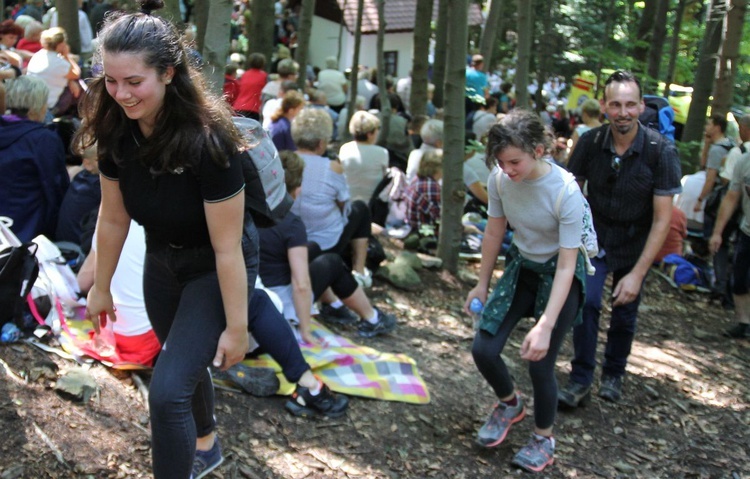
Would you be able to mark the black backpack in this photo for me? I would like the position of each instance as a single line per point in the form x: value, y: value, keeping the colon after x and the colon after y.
x: 19, y: 269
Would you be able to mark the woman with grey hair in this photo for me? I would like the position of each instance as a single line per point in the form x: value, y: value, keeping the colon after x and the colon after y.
x: 33, y: 178
x: 432, y: 139
x: 332, y: 220
x: 365, y: 163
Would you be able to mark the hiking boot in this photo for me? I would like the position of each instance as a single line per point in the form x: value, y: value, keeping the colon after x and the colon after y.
x: 536, y: 455
x: 324, y: 404
x: 386, y: 323
x: 207, y: 461
x: 611, y: 388
x: 496, y: 427
x: 260, y: 382
x: 342, y: 315
x: 364, y: 280
x: 574, y: 394
x: 738, y: 331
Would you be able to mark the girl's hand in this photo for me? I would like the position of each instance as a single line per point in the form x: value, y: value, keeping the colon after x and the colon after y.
x: 307, y: 336
x: 477, y: 292
x: 98, y: 302
x: 536, y: 343
x: 231, y: 349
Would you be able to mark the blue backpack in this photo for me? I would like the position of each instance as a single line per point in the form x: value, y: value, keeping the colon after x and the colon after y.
x: 658, y: 115
x: 684, y: 273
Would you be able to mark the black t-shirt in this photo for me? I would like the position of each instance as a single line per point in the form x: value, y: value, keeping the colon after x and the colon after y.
x: 170, y: 205
x: 275, y: 242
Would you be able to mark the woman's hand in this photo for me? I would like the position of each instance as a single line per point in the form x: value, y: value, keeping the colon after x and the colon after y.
x: 477, y: 292
x: 98, y: 302
x: 536, y: 343
x: 231, y: 349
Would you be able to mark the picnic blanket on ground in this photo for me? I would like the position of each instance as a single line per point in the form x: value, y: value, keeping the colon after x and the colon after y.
x: 344, y: 366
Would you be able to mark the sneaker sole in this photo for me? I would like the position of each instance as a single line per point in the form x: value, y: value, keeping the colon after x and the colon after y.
x: 302, y: 411
x: 209, y: 470
x: 529, y: 468
x: 260, y: 382
x: 372, y: 334
x: 498, y: 441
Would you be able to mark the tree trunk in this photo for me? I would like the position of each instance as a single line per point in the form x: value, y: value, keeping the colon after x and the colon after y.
x: 303, y: 40
x: 658, y: 37
x: 706, y: 71
x: 201, y: 11
x: 171, y: 12
x: 453, y: 190
x: 216, y: 46
x: 422, y: 33
x: 261, y: 37
x: 604, y: 45
x: 487, y: 47
x: 525, y: 33
x: 441, y: 42
x: 545, y: 49
x: 353, y: 78
x: 675, y: 45
x: 67, y: 18
x: 385, y: 102
x: 730, y: 57
x: 643, y: 36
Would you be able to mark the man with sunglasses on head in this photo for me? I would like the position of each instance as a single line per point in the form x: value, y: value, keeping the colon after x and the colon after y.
x: 632, y: 173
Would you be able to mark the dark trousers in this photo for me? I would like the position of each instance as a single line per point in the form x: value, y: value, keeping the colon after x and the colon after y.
x: 329, y: 271
x: 487, y: 348
x: 622, y: 328
x: 184, y: 305
x: 742, y: 264
x: 357, y: 226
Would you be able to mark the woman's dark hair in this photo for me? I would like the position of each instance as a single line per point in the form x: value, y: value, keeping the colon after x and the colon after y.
x: 294, y: 166
x: 256, y: 61
x: 191, y: 119
x: 520, y: 128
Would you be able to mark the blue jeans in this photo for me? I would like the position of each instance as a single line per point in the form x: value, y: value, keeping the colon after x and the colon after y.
x: 622, y: 326
x: 184, y: 305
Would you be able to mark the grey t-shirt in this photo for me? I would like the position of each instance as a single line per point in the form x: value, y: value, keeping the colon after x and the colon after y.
x: 718, y: 152
x: 529, y: 207
x: 741, y: 182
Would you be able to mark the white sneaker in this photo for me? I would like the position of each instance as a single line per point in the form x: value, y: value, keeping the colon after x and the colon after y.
x: 364, y: 280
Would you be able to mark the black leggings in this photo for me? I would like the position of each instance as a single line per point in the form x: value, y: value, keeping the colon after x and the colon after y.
x: 357, y: 227
x: 487, y: 348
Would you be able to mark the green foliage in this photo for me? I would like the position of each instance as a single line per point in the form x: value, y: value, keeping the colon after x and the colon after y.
x: 689, y: 152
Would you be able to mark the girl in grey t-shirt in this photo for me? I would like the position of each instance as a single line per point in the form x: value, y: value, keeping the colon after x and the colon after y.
x: 543, y: 278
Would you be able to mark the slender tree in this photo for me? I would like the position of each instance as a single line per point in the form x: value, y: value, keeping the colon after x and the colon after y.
x: 730, y: 57
x: 171, y: 12
x: 201, y: 10
x: 675, y: 45
x: 261, y: 35
x: 643, y: 35
x: 353, y: 78
x: 545, y: 47
x: 658, y: 37
x: 706, y: 71
x: 489, y: 35
x: 216, y: 46
x: 453, y: 189
x: 67, y: 18
x: 525, y: 33
x: 303, y: 40
x: 385, y: 103
x: 441, y: 42
x: 420, y: 63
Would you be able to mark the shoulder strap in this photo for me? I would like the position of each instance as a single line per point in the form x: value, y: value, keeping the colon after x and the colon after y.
x: 653, y: 145
x: 567, y: 179
x: 498, y: 180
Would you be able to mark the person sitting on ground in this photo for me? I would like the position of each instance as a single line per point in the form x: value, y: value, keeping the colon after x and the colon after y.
x: 56, y: 66
x: 33, y: 178
x: 432, y: 139
x: 414, y: 127
x: 231, y: 84
x: 10, y: 32
x: 287, y: 70
x: 590, y: 113
x: 272, y: 106
x: 332, y: 220
x: 248, y: 101
x: 423, y: 195
x: 365, y: 163
x: 32, y: 40
x: 80, y: 204
x: 674, y: 242
x: 342, y: 127
x: 280, y: 130
x: 334, y: 84
x: 476, y: 189
x: 484, y: 117
x: 505, y: 102
x: 397, y: 142
x: 318, y: 100
x: 296, y: 271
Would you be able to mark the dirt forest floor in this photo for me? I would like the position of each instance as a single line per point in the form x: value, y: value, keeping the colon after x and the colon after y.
x: 685, y: 414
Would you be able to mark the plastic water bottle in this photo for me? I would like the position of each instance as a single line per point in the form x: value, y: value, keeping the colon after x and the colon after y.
x: 476, y: 307
x: 104, y: 342
x: 10, y: 333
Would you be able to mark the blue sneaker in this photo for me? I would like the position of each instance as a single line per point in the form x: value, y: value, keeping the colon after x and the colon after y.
x: 207, y: 461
